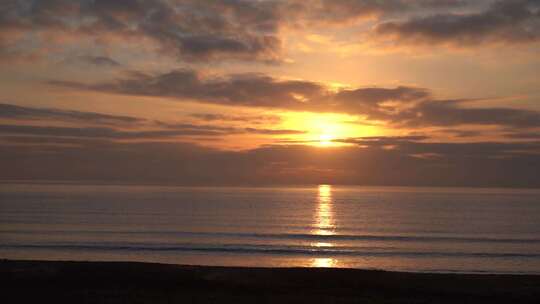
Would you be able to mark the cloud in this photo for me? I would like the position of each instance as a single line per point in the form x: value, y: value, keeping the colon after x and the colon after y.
x: 462, y: 133
x: 241, y: 90
x: 9, y: 111
x: 100, y: 61
x: 84, y: 125
x: 503, y: 22
x: 381, y: 140
x: 172, y: 131
x: 401, y: 106
x: 229, y: 130
x: 411, y: 162
x: 102, y: 153
x: 254, y: 119
x: 451, y: 113
x: 188, y: 29
x: 376, y: 96
x: 254, y: 90
x: 345, y: 12
x: 530, y: 135
x: 273, y: 131
x: 342, y: 11
x: 450, y: 154
x: 106, y: 133
x: 386, y: 142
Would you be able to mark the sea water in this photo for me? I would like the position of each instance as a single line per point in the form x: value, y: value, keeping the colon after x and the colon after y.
x: 392, y: 228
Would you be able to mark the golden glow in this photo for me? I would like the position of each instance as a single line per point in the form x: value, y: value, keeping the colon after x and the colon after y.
x: 322, y: 244
x: 325, y: 129
x: 324, y: 216
x: 325, y: 140
x: 323, y: 262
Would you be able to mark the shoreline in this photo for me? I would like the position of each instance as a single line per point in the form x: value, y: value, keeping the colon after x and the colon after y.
x: 28, y: 281
x: 268, y: 267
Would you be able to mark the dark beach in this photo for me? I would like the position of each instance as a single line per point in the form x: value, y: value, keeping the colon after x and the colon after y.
x: 130, y: 282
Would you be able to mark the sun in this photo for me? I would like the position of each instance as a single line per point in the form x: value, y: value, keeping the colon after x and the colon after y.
x: 325, y: 140
x: 325, y: 130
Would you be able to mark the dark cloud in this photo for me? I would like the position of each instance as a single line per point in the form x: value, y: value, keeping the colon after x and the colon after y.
x: 40, y: 140
x: 441, y: 3
x: 229, y: 130
x: 85, y: 125
x: 452, y: 113
x: 377, y: 103
x: 100, y: 61
x: 382, y: 140
x: 529, y: 135
x: 240, y: 90
x: 106, y: 133
x: 189, y: 29
x: 172, y: 131
x: 411, y: 163
x: 255, y: 90
x: 376, y: 96
x: 273, y: 131
x: 9, y: 111
x: 254, y: 119
x: 476, y: 150
x: 338, y: 12
x: 506, y: 21
x: 367, y: 141
x: 462, y: 133
x: 418, y: 145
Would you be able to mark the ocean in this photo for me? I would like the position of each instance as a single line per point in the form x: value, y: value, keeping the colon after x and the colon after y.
x: 463, y: 230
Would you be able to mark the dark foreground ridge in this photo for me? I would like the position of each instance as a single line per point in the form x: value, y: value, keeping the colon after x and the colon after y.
x: 128, y: 282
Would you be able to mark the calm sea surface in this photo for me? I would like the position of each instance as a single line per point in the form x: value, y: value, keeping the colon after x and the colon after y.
x: 408, y: 229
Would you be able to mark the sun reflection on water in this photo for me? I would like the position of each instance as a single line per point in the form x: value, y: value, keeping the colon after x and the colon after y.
x: 322, y: 244
x: 324, y: 225
x: 324, y: 262
x: 324, y: 217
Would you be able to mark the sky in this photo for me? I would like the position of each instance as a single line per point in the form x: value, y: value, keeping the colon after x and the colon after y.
x: 241, y: 92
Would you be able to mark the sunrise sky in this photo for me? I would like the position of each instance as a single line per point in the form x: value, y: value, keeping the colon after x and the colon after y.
x: 397, y: 92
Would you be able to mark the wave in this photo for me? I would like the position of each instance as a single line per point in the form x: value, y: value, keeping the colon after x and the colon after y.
x: 297, y: 236
x: 270, y: 249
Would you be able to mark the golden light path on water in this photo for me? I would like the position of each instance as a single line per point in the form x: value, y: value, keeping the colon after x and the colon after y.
x: 324, y: 224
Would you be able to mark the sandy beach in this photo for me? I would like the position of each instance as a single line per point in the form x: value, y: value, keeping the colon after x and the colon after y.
x: 130, y: 282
